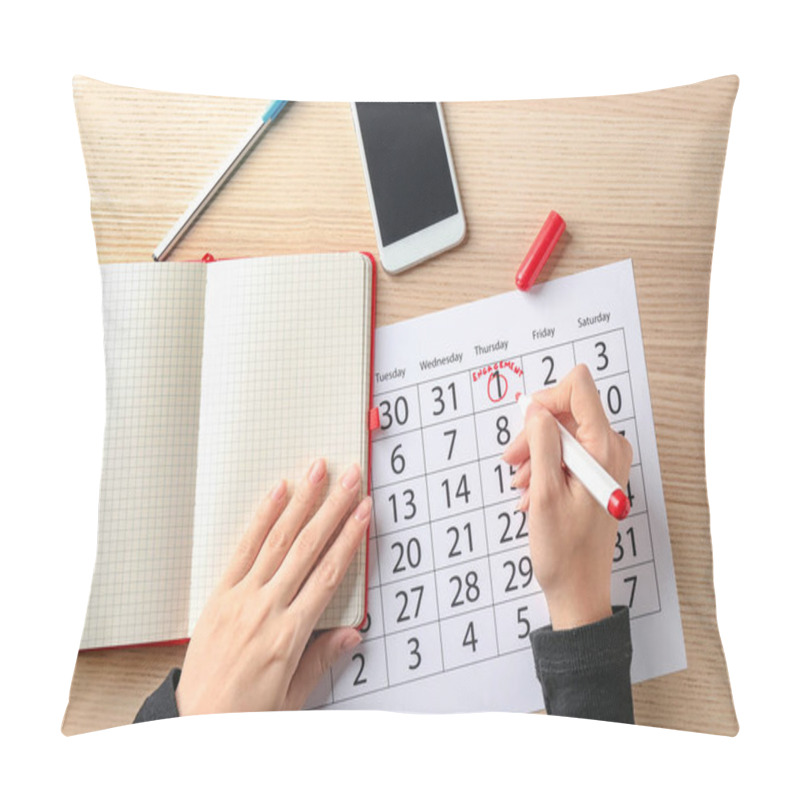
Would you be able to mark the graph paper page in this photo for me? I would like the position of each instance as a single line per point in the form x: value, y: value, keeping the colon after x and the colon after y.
x: 153, y: 321
x: 285, y: 380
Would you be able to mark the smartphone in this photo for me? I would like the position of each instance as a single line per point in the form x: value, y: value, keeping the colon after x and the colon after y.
x: 413, y: 194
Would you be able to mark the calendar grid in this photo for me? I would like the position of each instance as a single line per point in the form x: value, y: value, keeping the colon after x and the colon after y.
x: 453, y: 584
x: 497, y: 603
x: 454, y: 668
x: 486, y: 537
x: 430, y: 534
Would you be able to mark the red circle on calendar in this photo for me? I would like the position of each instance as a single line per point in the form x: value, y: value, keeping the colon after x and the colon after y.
x: 497, y: 386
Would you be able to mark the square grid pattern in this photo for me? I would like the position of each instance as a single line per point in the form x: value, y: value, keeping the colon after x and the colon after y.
x: 221, y: 379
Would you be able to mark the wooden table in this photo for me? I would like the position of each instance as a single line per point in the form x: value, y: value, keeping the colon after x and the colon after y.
x: 634, y: 176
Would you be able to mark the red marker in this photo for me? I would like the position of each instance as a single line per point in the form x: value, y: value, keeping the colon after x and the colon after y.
x: 540, y: 251
x: 597, y: 481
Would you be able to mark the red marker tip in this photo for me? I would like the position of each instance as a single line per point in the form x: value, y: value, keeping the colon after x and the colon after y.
x: 618, y: 504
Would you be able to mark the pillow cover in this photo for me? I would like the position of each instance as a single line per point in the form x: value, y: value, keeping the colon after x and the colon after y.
x: 635, y: 176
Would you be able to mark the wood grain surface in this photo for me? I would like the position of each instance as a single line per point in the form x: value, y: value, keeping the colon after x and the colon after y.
x: 633, y: 176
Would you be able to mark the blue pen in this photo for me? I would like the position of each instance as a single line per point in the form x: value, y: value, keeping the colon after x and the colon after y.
x: 222, y: 175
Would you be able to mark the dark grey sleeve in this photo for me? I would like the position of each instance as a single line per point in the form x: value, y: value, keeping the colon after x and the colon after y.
x: 586, y: 672
x: 161, y: 704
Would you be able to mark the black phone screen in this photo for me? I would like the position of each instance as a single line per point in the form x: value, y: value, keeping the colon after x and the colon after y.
x: 407, y: 166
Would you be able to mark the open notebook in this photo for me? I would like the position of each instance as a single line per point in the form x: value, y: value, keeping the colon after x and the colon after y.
x: 221, y: 379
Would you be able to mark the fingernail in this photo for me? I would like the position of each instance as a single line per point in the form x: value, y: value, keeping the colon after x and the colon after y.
x: 523, y: 501
x: 362, y: 511
x: 278, y: 491
x: 317, y: 471
x: 351, y: 478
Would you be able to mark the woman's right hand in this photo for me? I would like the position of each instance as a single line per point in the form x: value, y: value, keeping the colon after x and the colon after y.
x: 571, y: 536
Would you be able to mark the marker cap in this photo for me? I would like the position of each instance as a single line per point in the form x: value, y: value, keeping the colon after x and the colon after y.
x: 618, y: 504
x: 540, y: 250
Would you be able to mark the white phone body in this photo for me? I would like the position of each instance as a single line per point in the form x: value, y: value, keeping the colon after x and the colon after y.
x: 411, y: 182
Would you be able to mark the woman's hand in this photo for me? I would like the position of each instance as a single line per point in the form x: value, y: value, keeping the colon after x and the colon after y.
x: 572, y: 537
x: 248, y: 650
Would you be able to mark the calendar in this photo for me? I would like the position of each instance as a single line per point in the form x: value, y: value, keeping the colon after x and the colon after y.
x: 452, y: 595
